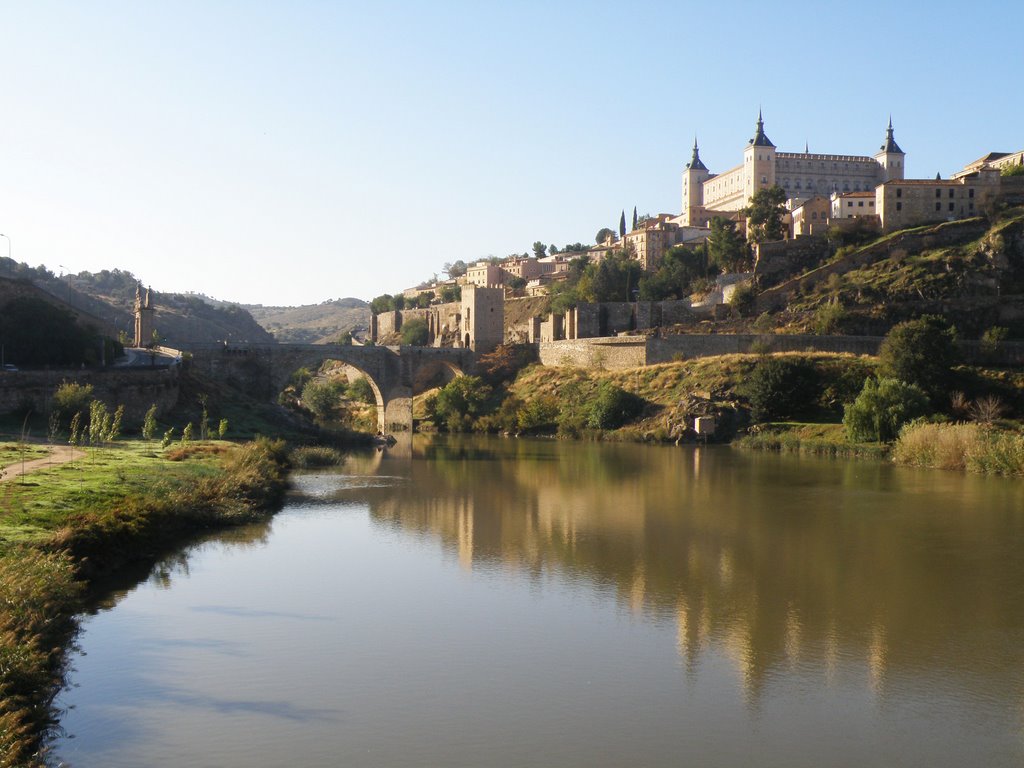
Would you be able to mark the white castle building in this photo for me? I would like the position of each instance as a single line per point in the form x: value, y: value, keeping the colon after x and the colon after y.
x: 801, y: 175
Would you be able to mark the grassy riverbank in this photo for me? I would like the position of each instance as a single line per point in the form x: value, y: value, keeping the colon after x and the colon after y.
x: 64, y: 524
x: 814, y: 439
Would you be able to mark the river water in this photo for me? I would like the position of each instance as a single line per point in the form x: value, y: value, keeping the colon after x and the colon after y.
x: 488, y: 602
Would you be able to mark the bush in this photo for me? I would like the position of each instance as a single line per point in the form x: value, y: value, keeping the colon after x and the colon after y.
x: 71, y: 398
x: 308, y: 456
x: 781, y: 388
x: 458, y: 403
x: 320, y: 396
x: 744, y: 300
x: 361, y: 391
x: 415, y: 333
x: 611, y: 407
x: 538, y: 415
x: 921, y: 352
x: 881, y: 408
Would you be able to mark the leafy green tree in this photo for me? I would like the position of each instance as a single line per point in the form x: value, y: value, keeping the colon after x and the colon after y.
x: 1012, y: 170
x: 921, y: 352
x: 450, y: 293
x: 415, y: 333
x: 455, y: 269
x: 320, y: 397
x: 149, y: 423
x: 881, y: 408
x: 634, y: 218
x: 187, y: 434
x: 168, y: 438
x: 727, y: 250
x: 764, y: 214
x: 458, y: 403
x: 781, y: 388
x: 679, y: 268
x: 361, y: 391
x: 37, y: 333
x: 539, y: 249
x: 602, y: 235
x: 383, y: 303
x: 345, y: 339
x: 222, y: 428
x: 578, y: 247
x: 538, y: 415
x: 71, y: 398
x: 611, y: 279
x: 622, y: 224
x: 611, y: 407
x: 552, y: 249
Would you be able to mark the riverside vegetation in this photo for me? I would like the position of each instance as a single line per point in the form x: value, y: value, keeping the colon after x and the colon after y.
x: 64, y: 524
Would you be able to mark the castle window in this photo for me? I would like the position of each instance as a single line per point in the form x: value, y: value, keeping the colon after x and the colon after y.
x: 814, y: 214
x: 970, y: 192
x: 951, y: 206
x: 938, y: 193
x: 764, y: 179
x: 938, y: 206
x: 871, y: 203
x: 899, y: 192
x: 860, y: 203
x: 951, y: 193
x: 798, y: 183
x: 899, y: 206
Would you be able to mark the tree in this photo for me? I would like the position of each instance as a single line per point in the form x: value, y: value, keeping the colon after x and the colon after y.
x: 611, y: 279
x: 450, y: 293
x: 415, y: 333
x: 921, y: 352
x: 602, y: 235
x: 383, y: 303
x: 361, y: 391
x: 539, y: 249
x: 149, y: 423
x: 622, y: 224
x: 634, y: 217
x: 455, y: 268
x: 781, y: 388
x: 345, y: 339
x: 320, y: 396
x: 612, y: 406
x: 881, y: 408
x: 680, y: 266
x: 764, y: 214
x: 727, y: 249
x: 458, y: 403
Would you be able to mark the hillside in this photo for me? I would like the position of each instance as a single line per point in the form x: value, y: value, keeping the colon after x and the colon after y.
x: 312, y: 323
x: 110, y: 296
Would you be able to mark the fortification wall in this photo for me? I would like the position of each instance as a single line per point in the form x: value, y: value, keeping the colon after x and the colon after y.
x: 608, y: 354
x: 135, y: 388
x: 664, y: 350
x: 776, y: 261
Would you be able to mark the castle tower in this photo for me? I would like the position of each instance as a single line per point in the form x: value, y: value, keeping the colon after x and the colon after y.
x: 694, y: 176
x: 891, y: 157
x: 483, y: 318
x: 143, y: 317
x: 758, y: 162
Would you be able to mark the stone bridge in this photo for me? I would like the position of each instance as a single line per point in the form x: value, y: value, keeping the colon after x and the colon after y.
x: 396, y: 374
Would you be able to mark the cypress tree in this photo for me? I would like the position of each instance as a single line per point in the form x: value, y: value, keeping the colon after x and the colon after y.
x: 634, y: 217
x: 622, y: 224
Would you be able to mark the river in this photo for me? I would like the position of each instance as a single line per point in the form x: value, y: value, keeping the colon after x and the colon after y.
x: 489, y: 602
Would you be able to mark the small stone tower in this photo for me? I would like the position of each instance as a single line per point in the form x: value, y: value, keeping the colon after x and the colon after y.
x: 483, y: 317
x: 694, y: 176
x: 758, y: 162
x: 143, y: 316
x: 891, y: 157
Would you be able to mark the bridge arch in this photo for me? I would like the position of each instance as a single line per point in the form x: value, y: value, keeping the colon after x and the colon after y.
x: 394, y: 373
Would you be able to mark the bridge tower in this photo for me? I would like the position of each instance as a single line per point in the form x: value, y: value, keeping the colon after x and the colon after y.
x: 483, y: 318
x: 143, y: 316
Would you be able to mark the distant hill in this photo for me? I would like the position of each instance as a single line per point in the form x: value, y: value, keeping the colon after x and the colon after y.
x: 313, y: 323
x: 109, y: 296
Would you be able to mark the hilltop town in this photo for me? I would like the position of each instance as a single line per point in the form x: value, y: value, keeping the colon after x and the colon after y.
x: 730, y: 252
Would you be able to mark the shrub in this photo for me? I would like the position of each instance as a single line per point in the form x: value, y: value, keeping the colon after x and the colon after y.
x: 611, y: 407
x: 921, y: 352
x: 744, y: 299
x: 415, y: 333
x: 361, y: 391
x: 72, y: 397
x: 881, y: 408
x: 539, y: 414
x: 306, y: 456
x: 829, y: 317
x: 222, y: 428
x: 149, y: 423
x: 781, y: 388
x: 458, y: 403
x: 320, y: 396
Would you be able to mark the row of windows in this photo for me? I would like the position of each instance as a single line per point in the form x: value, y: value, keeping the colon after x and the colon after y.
x: 860, y: 203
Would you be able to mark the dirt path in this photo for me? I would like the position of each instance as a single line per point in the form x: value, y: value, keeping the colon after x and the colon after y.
x: 60, y: 455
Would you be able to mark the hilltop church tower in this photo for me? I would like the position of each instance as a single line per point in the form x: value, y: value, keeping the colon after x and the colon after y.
x: 758, y: 162
x: 143, y: 316
x: 694, y: 176
x: 890, y: 157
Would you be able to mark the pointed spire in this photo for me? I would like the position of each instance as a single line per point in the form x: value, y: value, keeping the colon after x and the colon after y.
x: 938, y: 177
x: 890, y: 144
x: 807, y: 147
x: 760, y: 140
x: 695, y: 164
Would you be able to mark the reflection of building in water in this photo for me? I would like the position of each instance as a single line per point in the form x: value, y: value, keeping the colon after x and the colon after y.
x: 778, y: 579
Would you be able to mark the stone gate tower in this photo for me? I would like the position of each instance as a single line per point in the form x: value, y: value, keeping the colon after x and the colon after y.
x: 483, y: 317
x: 143, y: 316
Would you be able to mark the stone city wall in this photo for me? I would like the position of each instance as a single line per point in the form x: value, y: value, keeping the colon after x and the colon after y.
x: 135, y: 388
x: 607, y: 354
x: 778, y: 260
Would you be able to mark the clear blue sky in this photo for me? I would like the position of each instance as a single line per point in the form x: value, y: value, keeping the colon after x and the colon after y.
x: 293, y: 152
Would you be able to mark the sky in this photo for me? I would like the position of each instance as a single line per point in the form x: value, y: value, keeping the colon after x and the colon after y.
x: 285, y: 153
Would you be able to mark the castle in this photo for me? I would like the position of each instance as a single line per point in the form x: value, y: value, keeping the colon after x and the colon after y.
x: 802, y: 175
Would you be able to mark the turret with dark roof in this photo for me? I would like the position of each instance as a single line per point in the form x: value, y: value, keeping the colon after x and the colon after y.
x: 695, y: 163
x: 760, y: 140
x: 890, y: 143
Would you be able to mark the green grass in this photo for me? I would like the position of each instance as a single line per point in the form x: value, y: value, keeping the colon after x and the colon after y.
x: 810, y: 438
x: 14, y: 452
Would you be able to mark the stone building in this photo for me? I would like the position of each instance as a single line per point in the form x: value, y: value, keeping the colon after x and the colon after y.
x: 801, y: 175
x: 483, y: 318
x: 143, y: 316
x: 908, y: 202
x: 853, y: 205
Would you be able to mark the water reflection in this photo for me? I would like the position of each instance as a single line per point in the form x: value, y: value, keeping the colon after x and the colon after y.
x: 776, y: 562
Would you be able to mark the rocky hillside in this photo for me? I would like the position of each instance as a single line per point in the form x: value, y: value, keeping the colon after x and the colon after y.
x: 313, y: 323
x: 110, y: 295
